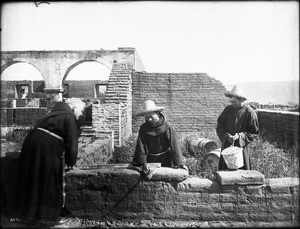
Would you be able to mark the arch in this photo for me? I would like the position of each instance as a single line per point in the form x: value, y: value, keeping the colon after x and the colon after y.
x: 87, y: 68
x: 20, y: 70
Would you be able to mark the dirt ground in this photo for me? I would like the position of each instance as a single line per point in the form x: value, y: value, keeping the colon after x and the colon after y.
x: 87, y: 223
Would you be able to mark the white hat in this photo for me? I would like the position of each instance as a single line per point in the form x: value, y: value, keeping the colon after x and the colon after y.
x: 237, y: 92
x: 149, y: 107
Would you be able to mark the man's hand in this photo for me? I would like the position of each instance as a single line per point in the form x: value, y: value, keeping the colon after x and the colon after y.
x: 184, y: 167
x: 236, y: 136
x: 145, y: 168
x: 69, y: 168
x: 232, y: 138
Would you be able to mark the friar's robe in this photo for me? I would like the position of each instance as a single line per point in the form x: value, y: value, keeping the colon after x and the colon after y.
x: 243, y: 121
x: 153, y: 141
x: 41, y: 164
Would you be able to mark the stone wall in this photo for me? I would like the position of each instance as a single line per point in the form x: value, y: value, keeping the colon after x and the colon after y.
x: 112, y: 117
x: 36, y: 88
x: 83, y: 88
x: 244, y: 197
x: 21, y: 116
x: 121, y: 193
x: 107, y: 117
x: 192, y: 101
x: 119, y: 93
x: 282, y: 123
x: 76, y: 88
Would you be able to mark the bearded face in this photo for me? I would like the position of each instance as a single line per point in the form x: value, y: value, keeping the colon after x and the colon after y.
x: 77, y: 113
x: 152, y: 118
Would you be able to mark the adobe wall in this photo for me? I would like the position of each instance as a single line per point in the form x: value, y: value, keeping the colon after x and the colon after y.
x: 192, y: 101
x: 36, y: 88
x: 21, y: 116
x: 82, y: 88
x: 77, y: 88
x: 282, y: 123
x: 172, y: 194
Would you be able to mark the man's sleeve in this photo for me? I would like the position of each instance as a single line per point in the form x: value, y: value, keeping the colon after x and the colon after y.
x: 221, y: 130
x: 140, y: 156
x: 71, y: 140
x: 252, y: 130
x: 175, y: 149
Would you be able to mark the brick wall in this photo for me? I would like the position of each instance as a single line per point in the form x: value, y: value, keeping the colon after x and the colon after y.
x: 36, y: 88
x: 192, y: 102
x: 119, y: 91
x: 8, y: 89
x: 83, y: 88
x: 107, y: 117
x: 21, y: 116
x: 115, y: 114
x: 282, y: 123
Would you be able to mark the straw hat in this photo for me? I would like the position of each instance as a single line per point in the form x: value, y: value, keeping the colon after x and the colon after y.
x: 149, y: 107
x: 237, y: 92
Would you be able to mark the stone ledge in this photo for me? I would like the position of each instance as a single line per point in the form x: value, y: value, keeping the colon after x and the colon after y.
x: 197, y: 184
x: 160, y: 174
x: 169, y: 174
x: 240, y: 177
x: 283, y: 185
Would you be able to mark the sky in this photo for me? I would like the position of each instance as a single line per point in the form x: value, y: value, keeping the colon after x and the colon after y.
x: 234, y: 42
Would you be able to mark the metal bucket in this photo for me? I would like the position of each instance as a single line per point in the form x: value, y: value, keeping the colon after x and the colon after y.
x: 202, y: 145
x: 206, y: 145
x: 212, y: 158
x: 233, y: 157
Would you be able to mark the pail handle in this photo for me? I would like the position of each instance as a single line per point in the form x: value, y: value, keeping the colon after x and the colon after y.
x: 232, y: 143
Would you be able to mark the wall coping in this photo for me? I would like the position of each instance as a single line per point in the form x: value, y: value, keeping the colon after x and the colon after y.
x: 240, y: 177
x: 183, y: 182
x: 278, y: 112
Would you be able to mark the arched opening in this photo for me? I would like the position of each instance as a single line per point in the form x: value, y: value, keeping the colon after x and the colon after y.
x: 95, y: 76
x: 21, y: 80
x: 89, y: 70
x: 87, y: 80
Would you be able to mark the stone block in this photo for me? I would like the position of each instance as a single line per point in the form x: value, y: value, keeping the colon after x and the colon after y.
x: 197, y: 184
x: 169, y: 174
x: 240, y: 177
x: 282, y: 185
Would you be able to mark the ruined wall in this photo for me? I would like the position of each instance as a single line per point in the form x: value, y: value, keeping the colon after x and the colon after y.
x: 119, y: 91
x: 192, y: 101
x: 169, y: 195
x: 282, y: 123
x: 21, y: 116
x: 76, y: 88
x: 36, y: 88
x: 239, y: 196
x: 83, y: 88
x: 55, y: 65
x: 107, y: 117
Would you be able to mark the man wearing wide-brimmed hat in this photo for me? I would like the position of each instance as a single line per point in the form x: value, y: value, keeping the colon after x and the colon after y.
x: 157, y: 141
x: 237, y: 125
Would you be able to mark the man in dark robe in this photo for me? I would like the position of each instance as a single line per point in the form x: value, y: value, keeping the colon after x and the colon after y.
x: 237, y: 125
x: 46, y: 149
x: 157, y: 141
